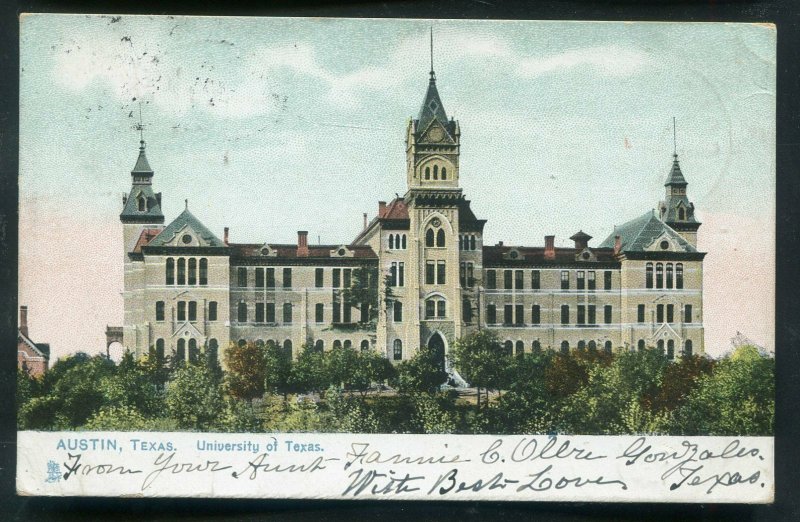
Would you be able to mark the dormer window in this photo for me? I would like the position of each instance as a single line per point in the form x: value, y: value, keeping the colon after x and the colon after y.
x: 664, y: 245
x: 186, y: 239
x: 681, y: 214
x: 341, y: 252
x: 142, y: 203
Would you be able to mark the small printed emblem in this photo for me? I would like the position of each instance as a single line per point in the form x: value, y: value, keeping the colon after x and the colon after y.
x: 53, y: 472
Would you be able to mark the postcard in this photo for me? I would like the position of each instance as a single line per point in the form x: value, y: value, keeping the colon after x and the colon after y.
x: 396, y: 259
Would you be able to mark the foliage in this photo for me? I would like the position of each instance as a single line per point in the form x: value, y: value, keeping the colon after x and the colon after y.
x: 117, y: 418
x: 421, y: 373
x: 246, y: 370
x: 482, y: 361
x: 309, y: 372
x: 364, y: 289
x: 277, y: 370
x: 434, y: 414
x: 194, y: 397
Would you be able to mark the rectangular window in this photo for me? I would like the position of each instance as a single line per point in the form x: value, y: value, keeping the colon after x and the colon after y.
x: 346, y: 277
x: 347, y: 310
x: 287, y: 277
x: 581, y: 314
x: 564, y: 314
x: 491, y: 314
x: 193, y: 310
x: 337, y: 312
x: 536, y: 282
x: 259, y: 278
x: 181, y: 310
x: 470, y: 275
x: 670, y: 313
x: 401, y: 273
x: 491, y: 279
x: 607, y: 279
x: 660, y: 313
x: 640, y: 313
x: 607, y: 314
x: 430, y: 309
x: 518, y: 279
x: 398, y: 312
x: 270, y: 312
x: 242, y: 313
x: 430, y: 272
x: 319, y: 277
x: 462, y: 274
x: 270, y: 278
x: 441, y: 272
x: 536, y: 315
x: 581, y: 280
x: 441, y: 311
x: 565, y: 280
x: 241, y: 277
x: 392, y: 274
x: 259, y: 312
x: 687, y: 312
x: 466, y: 311
x: 319, y: 313
x: 287, y: 313
x: 592, y: 314
x: 508, y: 318
x: 364, y: 308
x: 203, y: 271
x: 337, y: 277
x: 159, y: 310
x: 212, y: 310
x: 507, y: 274
x: 592, y: 284
x: 519, y: 315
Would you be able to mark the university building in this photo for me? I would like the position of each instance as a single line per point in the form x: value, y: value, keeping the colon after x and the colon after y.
x: 424, y: 257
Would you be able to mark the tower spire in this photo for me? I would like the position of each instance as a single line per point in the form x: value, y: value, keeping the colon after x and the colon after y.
x: 433, y: 74
x: 674, y: 138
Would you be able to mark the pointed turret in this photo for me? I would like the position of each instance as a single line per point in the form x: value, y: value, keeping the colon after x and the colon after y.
x: 676, y: 210
x: 675, y: 177
x: 432, y: 107
x: 142, y: 205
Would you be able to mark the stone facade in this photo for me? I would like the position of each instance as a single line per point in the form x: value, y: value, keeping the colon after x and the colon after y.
x: 186, y: 290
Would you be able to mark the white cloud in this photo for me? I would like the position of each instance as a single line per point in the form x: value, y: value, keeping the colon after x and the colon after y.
x: 611, y: 60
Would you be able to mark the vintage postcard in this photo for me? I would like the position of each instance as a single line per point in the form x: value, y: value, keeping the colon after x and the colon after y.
x: 402, y: 259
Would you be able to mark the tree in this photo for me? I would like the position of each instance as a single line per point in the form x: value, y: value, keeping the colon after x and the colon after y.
x: 309, y: 372
x: 420, y: 373
x: 132, y: 387
x: 194, y: 397
x: 364, y: 288
x: 277, y: 370
x: 482, y: 361
x: 246, y: 370
x: 76, y: 392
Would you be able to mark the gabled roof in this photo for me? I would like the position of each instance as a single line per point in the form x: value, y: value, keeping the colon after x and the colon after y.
x: 432, y: 107
x: 186, y: 219
x: 43, y: 349
x: 675, y: 176
x: 397, y: 209
x: 638, y: 234
x: 145, y: 237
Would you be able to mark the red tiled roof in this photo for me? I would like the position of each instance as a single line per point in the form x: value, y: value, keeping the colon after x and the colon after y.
x: 397, y: 209
x: 145, y: 237
x: 290, y: 251
x: 496, y: 254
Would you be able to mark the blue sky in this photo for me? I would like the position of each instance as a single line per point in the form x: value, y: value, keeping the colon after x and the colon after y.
x: 269, y: 126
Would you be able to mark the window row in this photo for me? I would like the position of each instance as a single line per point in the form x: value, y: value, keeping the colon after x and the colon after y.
x: 467, y: 242
x: 514, y: 315
x: 688, y: 348
x: 434, y: 238
x: 341, y: 312
x: 515, y: 279
x: 434, y: 173
x: 661, y: 316
x: 397, y: 274
x: 189, y: 271
x: 435, y: 308
x: 583, y: 345
x: 397, y: 241
x: 264, y: 278
x: 180, y: 350
x: 467, y: 275
x: 186, y: 311
x: 660, y: 280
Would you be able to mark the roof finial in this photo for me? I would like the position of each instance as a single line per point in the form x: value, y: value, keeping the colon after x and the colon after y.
x: 674, y: 139
x: 140, y: 127
x: 186, y: 202
x: 433, y: 75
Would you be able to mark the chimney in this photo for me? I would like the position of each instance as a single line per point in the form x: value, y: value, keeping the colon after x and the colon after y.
x: 225, y: 238
x: 23, y: 320
x: 549, y: 247
x: 617, y: 244
x: 381, y: 208
x: 365, y: 220
x: 302, y: 243
x: 499, y: 243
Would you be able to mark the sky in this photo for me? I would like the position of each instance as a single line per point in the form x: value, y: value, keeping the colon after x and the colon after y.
x: 273, y: 125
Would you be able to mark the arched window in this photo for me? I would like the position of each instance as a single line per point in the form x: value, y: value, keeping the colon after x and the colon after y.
x: 660, y: 345
x: 160, y: 349
x: 472, y: 242
x: 592, y: 346
x: 241, y: 314
x: 319, y: 346
x: 260, y: 343
x: 287, y: 348
x: 242, y: 343
x: 607, y: 347
x: 391, y: 241
x: 141, y: 201
x: 170, y: 271
x: 659, y: 275
x: 670, y: 349
x: 581, y: 346
x: 444, y: 175
x: 427, y: 173
x: 348, y: 344
x: 193, y: 350
x: 687, y: 350
x: 397, y: 350
x: 508, y: 348
x: 440, y: 238
x: 436, y: 172
x: 435, y: 308
x: 271, y: 344
x: 203, y: 271
x: 679, y: 276
x: 213, y: 350
x: 192, y: 271
x: 364, y: 345
x: 536, y: 347
x: 181, y: 271
x: 429, y: 238
x: 564, y: 346
x: 640, y: 345
x: 404, y: 242
x: 681, y: 214
x: 181, y: 354
x: 649, y: 275
x: 337, y: 344
x: 669, y: 275
x: 519, y: 349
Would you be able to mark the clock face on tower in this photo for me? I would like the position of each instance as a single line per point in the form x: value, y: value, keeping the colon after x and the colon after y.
x: 436, y: 134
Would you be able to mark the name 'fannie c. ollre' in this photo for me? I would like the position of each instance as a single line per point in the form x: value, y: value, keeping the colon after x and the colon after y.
x: 186, y: 290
